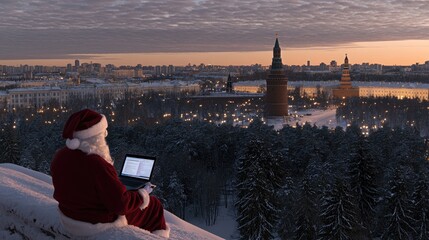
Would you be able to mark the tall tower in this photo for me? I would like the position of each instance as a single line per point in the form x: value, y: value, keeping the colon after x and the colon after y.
x: 346, y: 82
x: 276, y: 104
x: 345, y: 89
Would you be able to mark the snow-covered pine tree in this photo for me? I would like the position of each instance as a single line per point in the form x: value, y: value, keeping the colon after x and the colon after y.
x: 9, y: 144
x: 426, y: 154
x: 258, y: 180
x: 176, y: 195
x: 421, y: 208
x: 338, y: 218
x: 307, y: 195
x: 347, y: 149
x: 362, y: 173
x: 399, y: 219
x: 306, y: 212
x: 286, y: 225
x: 303, y: 150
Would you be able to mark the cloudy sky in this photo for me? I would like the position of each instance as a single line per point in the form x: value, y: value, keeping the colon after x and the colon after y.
x: 312, y: 29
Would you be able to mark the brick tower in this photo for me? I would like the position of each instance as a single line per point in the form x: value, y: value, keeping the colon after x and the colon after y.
x: 346, y: 82
x: 276, y: 102
x: 345, y: 89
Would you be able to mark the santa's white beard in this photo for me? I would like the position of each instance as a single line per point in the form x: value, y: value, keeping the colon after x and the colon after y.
x: 97, y: 145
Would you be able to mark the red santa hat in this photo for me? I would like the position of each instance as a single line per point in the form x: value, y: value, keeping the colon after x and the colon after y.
x: 81, y: 125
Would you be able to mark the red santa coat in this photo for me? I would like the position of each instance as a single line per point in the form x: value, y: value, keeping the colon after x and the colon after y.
x: 88, y: 189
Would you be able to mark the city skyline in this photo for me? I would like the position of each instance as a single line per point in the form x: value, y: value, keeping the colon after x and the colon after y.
x: 219, y: 33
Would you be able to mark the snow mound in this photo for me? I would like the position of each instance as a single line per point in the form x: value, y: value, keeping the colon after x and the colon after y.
x: 29, y: 211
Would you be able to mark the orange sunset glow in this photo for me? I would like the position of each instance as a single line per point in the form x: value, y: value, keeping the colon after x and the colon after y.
x: 387, y: 53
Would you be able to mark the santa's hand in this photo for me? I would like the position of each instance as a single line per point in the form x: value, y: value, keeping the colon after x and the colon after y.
x: 145, y: 196
x: 149, y: 187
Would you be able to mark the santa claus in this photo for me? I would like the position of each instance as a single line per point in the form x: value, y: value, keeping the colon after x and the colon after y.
x: 90, y: 196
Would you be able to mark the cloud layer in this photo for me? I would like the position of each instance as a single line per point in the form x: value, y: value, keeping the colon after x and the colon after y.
x: 55, y: 28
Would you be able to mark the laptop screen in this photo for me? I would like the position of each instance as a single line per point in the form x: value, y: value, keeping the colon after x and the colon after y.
x: 137, y: 167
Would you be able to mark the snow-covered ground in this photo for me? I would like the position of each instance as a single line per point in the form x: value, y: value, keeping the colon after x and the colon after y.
x: 317, y: 117
x: 225, y: 226
x: 312, y: 116
x: 28, y: 211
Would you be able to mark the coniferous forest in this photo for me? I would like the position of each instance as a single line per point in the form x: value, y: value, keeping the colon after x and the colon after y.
x: 301, y: 182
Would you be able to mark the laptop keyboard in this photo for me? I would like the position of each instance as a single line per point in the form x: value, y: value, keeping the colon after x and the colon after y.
x: 131, y: 183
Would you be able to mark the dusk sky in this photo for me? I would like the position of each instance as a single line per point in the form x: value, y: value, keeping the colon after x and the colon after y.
x: 178, y: 32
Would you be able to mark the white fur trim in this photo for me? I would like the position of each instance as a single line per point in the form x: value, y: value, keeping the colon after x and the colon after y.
x: 72, y: 143
x: 163, y: 233
x: 146, y: 198
x: 92, y: 131
x: 85, y: 229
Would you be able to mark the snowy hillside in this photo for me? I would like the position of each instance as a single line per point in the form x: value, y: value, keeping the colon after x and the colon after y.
x: 29, y: 212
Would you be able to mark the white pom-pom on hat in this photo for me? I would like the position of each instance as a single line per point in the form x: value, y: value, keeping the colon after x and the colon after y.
x: 73, y: 143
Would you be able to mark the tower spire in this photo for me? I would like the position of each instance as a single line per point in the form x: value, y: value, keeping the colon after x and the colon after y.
x: 277, y: 45
x: 277, y: 59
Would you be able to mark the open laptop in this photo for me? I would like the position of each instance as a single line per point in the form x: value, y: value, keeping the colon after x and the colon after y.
x: 136, y: 170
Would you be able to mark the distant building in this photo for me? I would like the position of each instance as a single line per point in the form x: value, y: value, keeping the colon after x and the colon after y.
x: 170, y: 86
x: 124, y: 73
x: 38, y: 96
x: 33, y: 97
x: 333, y: 66
x: 366, y: 89
x: 164, y: 70
x: 399, y: 91
x: 276, y: 98
x: 170, y: 70
x: 345, y: 89
x: 3, y: 99
x: 157, y: 70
